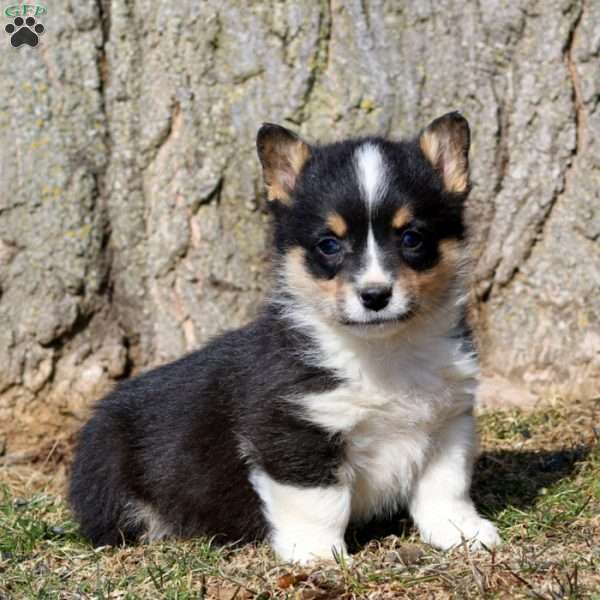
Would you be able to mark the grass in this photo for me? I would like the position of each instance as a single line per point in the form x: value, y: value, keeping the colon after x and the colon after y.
x: 538, y: 478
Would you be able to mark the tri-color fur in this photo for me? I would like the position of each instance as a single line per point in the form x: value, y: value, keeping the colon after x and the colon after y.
x: 350, y: 395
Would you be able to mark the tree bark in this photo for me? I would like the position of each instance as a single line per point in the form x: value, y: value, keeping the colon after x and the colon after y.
x: 132, y: 226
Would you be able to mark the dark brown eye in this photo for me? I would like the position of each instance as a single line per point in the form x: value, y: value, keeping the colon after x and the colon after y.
x: 411, y: 240
x: 329, y: 246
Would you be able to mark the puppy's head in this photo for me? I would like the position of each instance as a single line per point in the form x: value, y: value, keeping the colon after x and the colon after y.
x: 369, y: 232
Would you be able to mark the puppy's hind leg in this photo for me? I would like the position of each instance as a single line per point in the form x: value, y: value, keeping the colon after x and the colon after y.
x: 307, y: 523
x: 98, y: 491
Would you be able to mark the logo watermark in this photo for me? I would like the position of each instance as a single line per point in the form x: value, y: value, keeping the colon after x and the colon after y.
x: 25, y: 28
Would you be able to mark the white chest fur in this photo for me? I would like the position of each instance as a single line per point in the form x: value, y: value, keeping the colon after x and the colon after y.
x: 397, y: 396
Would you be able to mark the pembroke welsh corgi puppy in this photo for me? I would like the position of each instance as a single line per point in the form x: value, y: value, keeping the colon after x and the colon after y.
x: 350, y: 395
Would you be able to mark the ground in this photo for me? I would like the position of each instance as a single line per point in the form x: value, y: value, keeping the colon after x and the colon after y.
x: 538, y: 478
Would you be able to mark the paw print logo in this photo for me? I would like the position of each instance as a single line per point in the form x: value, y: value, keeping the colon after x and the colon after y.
x: 24, y: 31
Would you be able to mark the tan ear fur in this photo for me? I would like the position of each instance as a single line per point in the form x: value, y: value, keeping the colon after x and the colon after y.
x: 283, y: 155
x: 445, y: 143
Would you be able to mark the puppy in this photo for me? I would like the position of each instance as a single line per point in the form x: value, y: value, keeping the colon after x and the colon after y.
x: 351, y: 394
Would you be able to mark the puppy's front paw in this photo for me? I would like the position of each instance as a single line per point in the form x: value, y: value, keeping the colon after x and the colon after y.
x: 305, y: 554
x: 445, y: 533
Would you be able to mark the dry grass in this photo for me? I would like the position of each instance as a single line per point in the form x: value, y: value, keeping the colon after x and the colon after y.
x: 538, y: 479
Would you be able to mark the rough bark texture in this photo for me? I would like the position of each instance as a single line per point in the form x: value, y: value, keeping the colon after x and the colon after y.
x: 131, y: 221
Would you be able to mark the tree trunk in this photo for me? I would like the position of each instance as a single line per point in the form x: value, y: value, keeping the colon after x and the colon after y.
x: 132, y: 226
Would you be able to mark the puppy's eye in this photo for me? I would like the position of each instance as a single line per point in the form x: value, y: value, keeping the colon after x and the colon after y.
x: 411, y: 240
x: 329, y: 246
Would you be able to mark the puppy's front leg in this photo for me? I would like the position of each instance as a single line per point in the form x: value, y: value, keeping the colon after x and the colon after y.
x: 440, y: 505
x: 307, y: 523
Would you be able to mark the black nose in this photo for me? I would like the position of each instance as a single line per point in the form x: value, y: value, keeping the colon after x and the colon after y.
x: 376, y: 297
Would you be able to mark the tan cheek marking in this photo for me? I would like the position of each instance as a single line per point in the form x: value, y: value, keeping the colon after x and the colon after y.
x: 305, y: 285
x: 336, y: 223
x: 402, y: 217
x: 429, y: 285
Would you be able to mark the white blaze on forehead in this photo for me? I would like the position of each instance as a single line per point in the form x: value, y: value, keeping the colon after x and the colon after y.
x: 373, y: 272
x: 373, y: 180
x: 371, y: 172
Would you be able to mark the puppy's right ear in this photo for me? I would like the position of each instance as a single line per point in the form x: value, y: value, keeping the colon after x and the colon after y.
x: 282, y: 155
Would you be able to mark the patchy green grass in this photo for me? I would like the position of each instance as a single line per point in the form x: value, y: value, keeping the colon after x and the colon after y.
x: 538, y: 479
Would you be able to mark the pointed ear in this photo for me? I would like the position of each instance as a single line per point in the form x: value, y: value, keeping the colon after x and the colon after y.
x: 282, y: 155
x: 445, y: 143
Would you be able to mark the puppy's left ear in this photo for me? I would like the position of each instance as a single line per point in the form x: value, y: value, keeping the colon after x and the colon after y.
x: 282, y: 155
x: 445, y: 143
